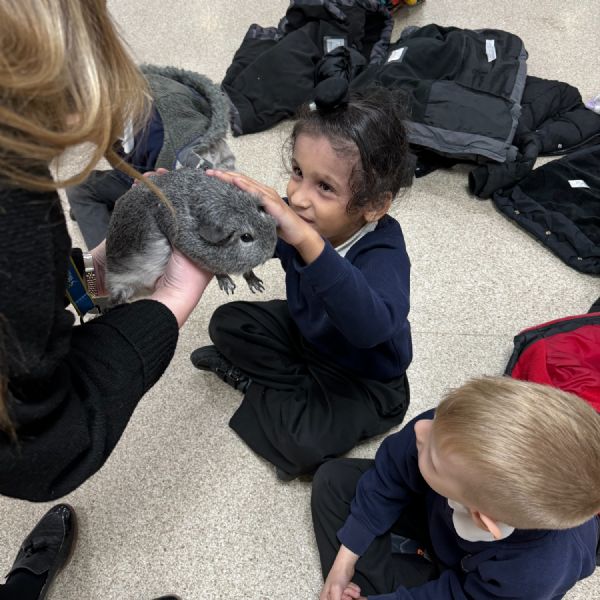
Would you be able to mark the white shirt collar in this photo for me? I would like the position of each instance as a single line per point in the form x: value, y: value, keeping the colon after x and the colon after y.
x: 466, y: 528
x: 343, y: 248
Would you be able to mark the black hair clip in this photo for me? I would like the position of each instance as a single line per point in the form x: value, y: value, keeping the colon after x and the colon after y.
x: 330, y: 93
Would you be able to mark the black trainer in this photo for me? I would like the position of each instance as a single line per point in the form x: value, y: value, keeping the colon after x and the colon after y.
x: 47, y: 549
x: 208, y: 358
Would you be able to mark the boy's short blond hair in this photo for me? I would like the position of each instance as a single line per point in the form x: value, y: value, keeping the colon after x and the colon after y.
x: 532, y: 452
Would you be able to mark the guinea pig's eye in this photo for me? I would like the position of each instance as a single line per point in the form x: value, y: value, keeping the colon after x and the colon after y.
x: 246, y: 237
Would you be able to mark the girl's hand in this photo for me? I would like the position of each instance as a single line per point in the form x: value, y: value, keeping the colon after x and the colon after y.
x: 290, y: 227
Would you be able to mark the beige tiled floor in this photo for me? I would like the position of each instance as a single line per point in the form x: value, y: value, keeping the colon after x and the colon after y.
x: 182, y: 505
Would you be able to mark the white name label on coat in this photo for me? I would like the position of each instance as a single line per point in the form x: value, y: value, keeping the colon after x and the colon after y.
x: 332, y: 43
x: 397, y: 54
x: 490, y: 50
x: 578, y: 183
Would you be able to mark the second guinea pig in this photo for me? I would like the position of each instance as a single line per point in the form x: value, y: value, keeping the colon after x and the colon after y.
x: 215, y: 224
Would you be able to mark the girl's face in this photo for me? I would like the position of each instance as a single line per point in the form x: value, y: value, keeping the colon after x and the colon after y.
x: 319, y: 189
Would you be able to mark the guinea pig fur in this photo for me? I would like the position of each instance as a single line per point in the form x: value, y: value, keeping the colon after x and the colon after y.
x: 215, y: 224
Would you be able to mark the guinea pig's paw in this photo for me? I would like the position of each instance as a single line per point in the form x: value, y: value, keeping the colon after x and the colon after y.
x: 226, y: 283
x: 254, y: 283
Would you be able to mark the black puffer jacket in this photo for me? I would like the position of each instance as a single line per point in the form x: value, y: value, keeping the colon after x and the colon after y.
x: 554, y: 120
x: 559, y: 204
x: 273, y: 71
x: 464, y: 88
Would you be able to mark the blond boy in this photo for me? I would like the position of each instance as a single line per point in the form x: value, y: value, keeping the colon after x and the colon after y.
x: 494, y: 496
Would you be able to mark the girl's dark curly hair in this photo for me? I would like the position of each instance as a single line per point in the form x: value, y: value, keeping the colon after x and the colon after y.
x: 372, y: 123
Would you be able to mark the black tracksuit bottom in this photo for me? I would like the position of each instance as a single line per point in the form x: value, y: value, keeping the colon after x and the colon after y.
x: 301, y: 408
x: 387, y: 564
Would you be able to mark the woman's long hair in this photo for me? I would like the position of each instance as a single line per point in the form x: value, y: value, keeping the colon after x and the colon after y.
x: 65, y: 78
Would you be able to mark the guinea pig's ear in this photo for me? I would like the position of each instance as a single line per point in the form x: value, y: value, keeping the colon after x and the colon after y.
x: 212, y: 233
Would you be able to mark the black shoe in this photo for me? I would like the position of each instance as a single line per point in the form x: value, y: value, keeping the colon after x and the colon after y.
x: 47, y: 549
x: 208, y: 358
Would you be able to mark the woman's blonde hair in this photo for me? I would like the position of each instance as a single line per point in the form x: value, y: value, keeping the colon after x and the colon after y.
x: 65, y: 78
x: 531, y: 451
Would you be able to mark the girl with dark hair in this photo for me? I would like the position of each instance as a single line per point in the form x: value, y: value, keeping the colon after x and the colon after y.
x: 326, y: 368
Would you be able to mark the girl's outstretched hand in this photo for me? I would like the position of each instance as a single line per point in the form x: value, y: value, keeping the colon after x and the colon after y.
x: 290, y: 227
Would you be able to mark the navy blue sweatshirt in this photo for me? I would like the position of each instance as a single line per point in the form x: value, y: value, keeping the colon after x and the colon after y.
x: 354, y: 309
x: 528, y: 564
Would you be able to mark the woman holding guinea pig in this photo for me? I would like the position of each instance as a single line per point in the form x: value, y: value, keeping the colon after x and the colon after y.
x: 61, y: 60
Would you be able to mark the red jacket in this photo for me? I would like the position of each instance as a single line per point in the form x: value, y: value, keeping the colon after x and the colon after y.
x: 564, y: 353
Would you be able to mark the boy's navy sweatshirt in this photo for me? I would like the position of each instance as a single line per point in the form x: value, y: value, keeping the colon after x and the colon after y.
x: 528, y: 564
x: 354, y: 309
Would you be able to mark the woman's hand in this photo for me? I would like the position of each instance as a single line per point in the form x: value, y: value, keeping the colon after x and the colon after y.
x: 290, y: 227
x: 181, y: 286
x: 99, y: 257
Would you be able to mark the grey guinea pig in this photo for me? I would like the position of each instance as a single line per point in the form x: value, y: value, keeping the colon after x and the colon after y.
x: 215, y: 224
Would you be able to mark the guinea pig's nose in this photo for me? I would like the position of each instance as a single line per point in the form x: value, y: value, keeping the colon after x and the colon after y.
x: 261, y: 208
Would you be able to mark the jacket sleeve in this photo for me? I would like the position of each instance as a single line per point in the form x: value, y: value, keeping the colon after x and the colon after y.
x: 71, y: 390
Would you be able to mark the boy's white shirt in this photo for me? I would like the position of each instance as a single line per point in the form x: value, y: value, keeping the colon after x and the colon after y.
x: 466, y: 528
x: 342, y: 249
